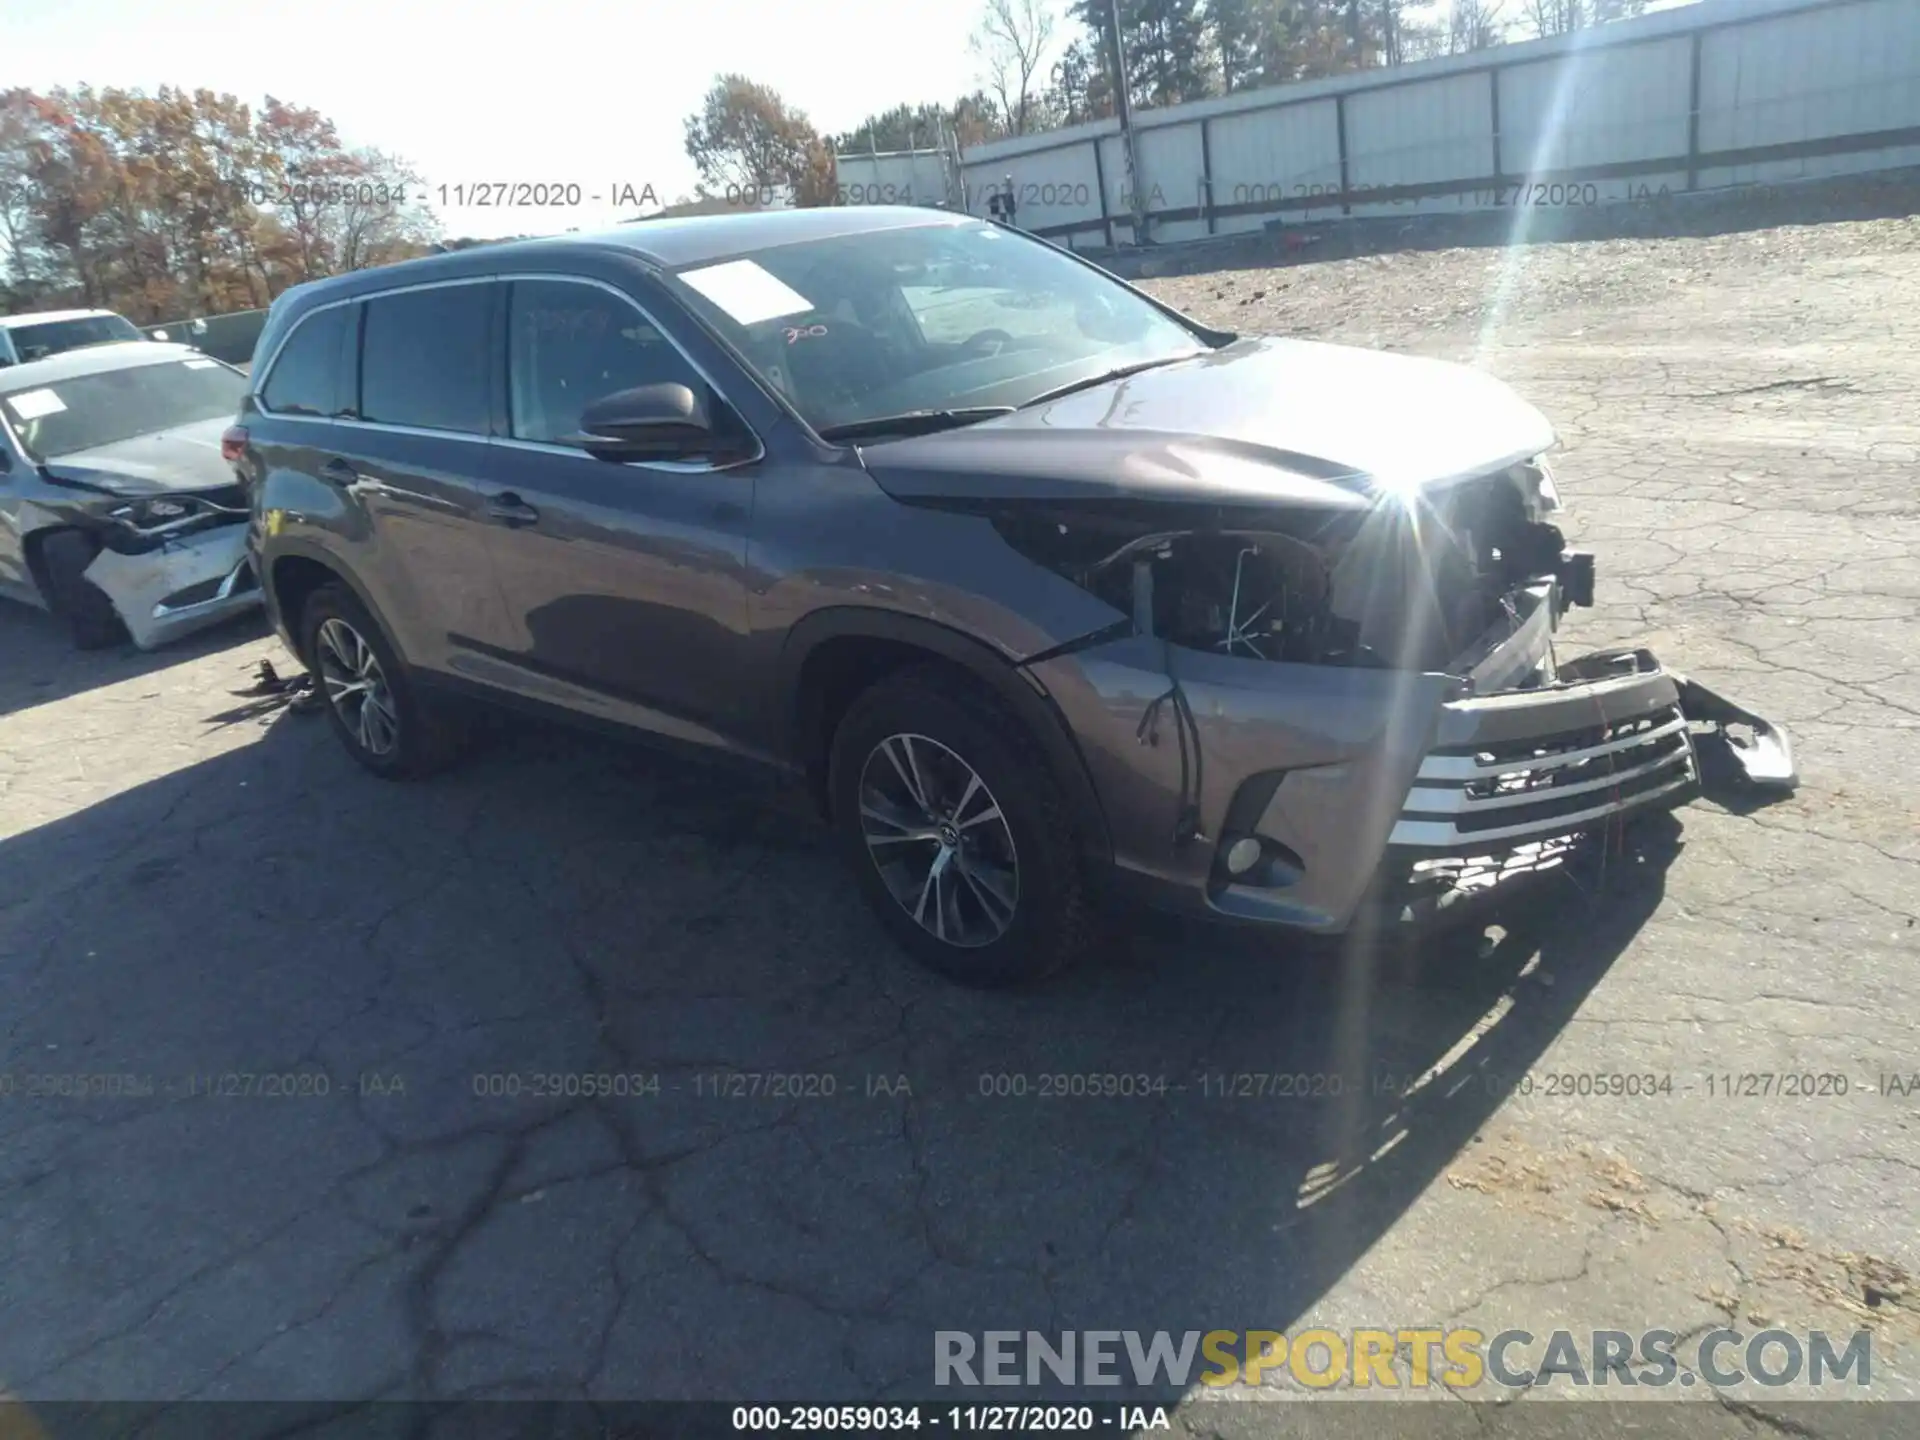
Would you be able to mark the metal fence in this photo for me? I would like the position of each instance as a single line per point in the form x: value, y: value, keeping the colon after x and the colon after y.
x: 225, y: 337
x: 1719, y: 94
x: 899, y: 177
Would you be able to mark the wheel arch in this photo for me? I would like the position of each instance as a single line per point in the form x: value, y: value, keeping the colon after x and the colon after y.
x: 294, y: 572
x: 833, y: 655
x: 33, y: 552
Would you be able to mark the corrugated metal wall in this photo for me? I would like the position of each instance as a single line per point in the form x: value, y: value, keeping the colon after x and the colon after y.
x: 895, y: 177
x: 1723, y: 93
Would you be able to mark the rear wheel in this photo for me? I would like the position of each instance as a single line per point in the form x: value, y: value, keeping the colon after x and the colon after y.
x: 78, y: 603
x: 372, y: 701
x: 959, y: 834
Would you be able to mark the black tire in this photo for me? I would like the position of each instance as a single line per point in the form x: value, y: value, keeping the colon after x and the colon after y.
x: 78, y: 603
x: 1052, y: 920
x: 423, y: 737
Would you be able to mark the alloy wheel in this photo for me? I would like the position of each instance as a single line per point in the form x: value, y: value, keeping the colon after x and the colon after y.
x: 937, y: 835
x: 356, y: 687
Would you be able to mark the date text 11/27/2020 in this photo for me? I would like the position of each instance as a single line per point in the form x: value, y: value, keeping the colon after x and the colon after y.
x: 569, y: 194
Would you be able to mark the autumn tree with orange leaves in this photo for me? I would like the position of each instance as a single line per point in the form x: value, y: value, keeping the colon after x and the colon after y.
x: 188, y: 202
x: 746, y: 141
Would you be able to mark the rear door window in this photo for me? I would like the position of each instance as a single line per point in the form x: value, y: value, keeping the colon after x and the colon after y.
x: 425, y: 358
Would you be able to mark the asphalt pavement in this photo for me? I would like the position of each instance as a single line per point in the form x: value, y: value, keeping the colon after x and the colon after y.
x: 437, y: 1090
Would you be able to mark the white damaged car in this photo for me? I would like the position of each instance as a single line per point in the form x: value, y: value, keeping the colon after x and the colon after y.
x: 118, y: 510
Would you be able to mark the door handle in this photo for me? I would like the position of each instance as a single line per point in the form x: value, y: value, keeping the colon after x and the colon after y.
x: 508, y: 508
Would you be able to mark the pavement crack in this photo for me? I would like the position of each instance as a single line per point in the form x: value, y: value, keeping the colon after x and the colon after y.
x: 1828, y: 384
x: 1755, y: 1416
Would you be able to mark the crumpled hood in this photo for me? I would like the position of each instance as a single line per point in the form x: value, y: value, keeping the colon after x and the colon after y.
x: 186, y: 457
x: 1262, y: 421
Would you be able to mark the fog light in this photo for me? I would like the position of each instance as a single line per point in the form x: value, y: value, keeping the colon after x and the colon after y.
x: 1243, y: 855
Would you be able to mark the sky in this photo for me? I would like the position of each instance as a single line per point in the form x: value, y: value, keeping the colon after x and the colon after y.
x: 593, y: 92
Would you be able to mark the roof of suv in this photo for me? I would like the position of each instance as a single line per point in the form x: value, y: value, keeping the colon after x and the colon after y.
x: 689, y: 239
x: 669, y: 244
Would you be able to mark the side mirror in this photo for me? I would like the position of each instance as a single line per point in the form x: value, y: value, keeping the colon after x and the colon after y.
x: 648, y: 422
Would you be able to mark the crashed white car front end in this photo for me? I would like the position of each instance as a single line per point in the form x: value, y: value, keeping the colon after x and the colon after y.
x: 184, y: 580
x: 120, y: 510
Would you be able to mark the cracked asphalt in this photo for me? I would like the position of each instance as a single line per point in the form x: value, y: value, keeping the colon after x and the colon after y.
x: 195, y: 885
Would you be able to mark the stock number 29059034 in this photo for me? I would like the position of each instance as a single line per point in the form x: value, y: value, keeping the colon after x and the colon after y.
x: 991, y: 1419
x: 1076, y: 1085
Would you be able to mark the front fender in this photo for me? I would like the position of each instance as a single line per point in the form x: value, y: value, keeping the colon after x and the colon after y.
x: 1017, y: 687
x: 271, y: 552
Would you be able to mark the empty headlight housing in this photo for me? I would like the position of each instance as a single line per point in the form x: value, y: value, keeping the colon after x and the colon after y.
x: 155, y: 511
x: 1536, y: 484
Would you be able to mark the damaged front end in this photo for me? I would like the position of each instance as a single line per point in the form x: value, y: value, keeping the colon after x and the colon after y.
x: 1306, y: 709
x: 170, y: 562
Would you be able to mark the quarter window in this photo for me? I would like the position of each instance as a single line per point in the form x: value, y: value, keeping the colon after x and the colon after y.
x: 306, y: 377
x: 570, y: 344
x: 424, y: 358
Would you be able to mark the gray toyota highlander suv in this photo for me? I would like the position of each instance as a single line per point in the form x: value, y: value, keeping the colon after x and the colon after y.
x: 1038, y: 583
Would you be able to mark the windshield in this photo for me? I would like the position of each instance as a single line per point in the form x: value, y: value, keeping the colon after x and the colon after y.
x: 933, y: 317
x: 89, y: 410
x: 36, y: 342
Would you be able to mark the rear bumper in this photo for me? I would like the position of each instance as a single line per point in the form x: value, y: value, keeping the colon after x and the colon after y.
x: 180, y: 586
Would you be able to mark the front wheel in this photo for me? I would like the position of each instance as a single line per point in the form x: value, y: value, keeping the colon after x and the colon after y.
x: 75, y: 600
x: 959, y: 834
x: 372, y: 702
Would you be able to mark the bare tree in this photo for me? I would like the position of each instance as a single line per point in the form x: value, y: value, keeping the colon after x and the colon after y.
x: 1561, y: 17
x: 1475, y: 25
x: 1011, y: 43
x: 1392, y: 25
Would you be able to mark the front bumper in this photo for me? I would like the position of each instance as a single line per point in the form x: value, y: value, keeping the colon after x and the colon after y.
x: 184, y: 584
x: 1532, y: 764
x: 1513, y: 781
x: 1360, y: 783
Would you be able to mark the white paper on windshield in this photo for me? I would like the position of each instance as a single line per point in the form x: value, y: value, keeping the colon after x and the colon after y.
x: 746, y: 291
x: 200, y: 364
x: 32, y: 404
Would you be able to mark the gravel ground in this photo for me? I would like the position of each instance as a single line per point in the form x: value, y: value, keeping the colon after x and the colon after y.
x: 193, y: 884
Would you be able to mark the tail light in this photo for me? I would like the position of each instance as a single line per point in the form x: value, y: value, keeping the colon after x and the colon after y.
x: 233, y: 443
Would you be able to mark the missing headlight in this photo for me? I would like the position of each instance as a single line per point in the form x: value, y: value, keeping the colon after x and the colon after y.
x: 1537, y: 490
x: 152, y: 513
x: 1255, y: 595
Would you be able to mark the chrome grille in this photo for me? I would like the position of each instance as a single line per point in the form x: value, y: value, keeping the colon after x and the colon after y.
x: 1554, y: 784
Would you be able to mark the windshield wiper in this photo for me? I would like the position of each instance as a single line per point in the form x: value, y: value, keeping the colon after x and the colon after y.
x: 1105, y: 376
x: 912, y: 422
